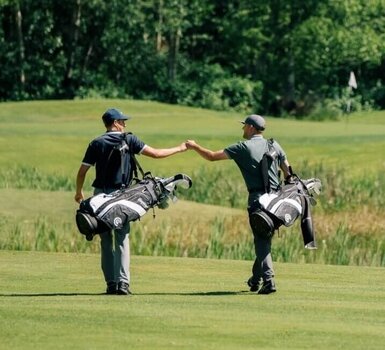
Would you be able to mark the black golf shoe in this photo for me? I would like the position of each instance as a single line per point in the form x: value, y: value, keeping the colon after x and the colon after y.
x: 123, y: 289
x: 268, y: 287
x: 254, y: 285
x: 111, y: 288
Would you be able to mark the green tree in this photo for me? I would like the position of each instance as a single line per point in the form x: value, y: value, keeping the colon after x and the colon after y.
x: 277, y: 56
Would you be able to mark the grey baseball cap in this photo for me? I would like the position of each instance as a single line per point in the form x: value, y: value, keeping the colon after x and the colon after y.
x: 255, y: 120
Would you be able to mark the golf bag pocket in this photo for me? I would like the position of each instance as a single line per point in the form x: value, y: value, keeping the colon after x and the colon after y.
x: 262, y: 223
x: 88, y: 225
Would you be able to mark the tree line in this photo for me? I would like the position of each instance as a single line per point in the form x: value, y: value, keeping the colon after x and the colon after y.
x: 267, y: 56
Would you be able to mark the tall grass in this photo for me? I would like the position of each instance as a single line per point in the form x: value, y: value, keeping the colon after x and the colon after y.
x: 342, y: 240
x: 42, y: 234
x: 24, y: 177
x: 221, y: 238
x: 226, y: 188
x: 342, y: 248
x: 340, y: 192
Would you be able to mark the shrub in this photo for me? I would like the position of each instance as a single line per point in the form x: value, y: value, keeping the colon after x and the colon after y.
x: 210, y: 86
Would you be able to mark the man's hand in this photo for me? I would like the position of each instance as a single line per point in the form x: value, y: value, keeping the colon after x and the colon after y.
x: 288, y: 180
x: 183, y: 147
x: 79, y: 197
x: 191, y: 144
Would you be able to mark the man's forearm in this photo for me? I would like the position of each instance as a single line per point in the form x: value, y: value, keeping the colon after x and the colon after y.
x: 80, y: 178
x: 166, y: 152
x: 204, y: 152
x: 163, y: 152
x: 79, y: 183
x: 286, y: 168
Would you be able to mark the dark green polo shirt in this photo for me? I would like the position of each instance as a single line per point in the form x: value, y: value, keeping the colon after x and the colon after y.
x: 248, y: 155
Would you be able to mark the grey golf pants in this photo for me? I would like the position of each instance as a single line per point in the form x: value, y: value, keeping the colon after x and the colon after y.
x: 115, y: 252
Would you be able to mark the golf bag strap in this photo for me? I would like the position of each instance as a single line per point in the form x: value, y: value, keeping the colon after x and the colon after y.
x: 265, y: 174
x: 265, y: 166
x: 126, y: 178
x: 137, y: 166
x: 106, y: 169
x: 134, y: 167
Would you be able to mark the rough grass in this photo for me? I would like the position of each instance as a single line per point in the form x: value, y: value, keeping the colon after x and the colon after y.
x: 45, y: 222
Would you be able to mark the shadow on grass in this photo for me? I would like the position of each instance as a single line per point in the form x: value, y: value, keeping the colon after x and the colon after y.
x: 214, y: 293
x: 48, y: 294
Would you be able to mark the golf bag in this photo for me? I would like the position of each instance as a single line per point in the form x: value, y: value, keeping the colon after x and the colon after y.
x: 285, y: 206
x: 104, y: 212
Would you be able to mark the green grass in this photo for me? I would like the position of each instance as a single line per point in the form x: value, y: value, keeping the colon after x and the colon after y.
x: 54, y: 301
x: 42, y: 144
x: 53, y: 135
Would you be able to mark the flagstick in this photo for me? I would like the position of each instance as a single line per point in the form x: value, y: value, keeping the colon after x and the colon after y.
x: 352, y: 84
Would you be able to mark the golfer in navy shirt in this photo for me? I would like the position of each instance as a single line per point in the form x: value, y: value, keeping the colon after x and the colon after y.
x: 111, y: 174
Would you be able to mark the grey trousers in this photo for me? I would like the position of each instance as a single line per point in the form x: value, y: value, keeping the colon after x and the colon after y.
x: 263, y: 264
x: 115, y: 252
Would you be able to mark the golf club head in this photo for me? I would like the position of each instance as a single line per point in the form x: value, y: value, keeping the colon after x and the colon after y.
x: 313, y: 186
x: 179, y: 179
x: 170, y: 185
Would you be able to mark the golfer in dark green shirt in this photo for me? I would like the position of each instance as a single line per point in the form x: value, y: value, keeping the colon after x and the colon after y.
x: 248, y: 155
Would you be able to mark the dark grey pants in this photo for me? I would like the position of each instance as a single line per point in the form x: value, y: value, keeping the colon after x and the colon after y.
x: 263, y: 264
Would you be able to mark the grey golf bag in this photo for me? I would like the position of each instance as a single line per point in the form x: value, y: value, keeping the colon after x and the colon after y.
x: 104, y: 212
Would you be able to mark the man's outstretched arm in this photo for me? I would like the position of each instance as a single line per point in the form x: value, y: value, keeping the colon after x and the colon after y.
x: 163, y: 152
x: 206, y: 153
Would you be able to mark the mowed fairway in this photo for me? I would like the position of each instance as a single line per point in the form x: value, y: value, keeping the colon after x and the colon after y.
x: 53, y: 135
x: 54, y: 301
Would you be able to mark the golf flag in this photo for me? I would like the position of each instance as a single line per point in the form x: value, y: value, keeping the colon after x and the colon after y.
x: 352, y: 81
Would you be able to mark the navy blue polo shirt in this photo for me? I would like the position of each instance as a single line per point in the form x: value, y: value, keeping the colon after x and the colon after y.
x: 108, y: 169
